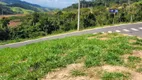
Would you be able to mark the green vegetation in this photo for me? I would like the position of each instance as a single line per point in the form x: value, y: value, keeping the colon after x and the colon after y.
x: 43, y: 24
x: 139, y: 70
x: 19, y: 7
x: 5, y: 10
x: 33, y: 61
x: 134, y: 59
x: 21, y: 10
x: 77, y: 73
x: 3, y: 3
x: 115, y: 76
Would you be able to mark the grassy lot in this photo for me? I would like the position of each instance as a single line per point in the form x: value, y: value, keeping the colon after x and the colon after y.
x: 34, y: 61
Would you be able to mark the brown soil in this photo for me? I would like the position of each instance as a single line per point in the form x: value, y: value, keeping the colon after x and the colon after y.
x: 14, y: 23
x: 101, y: 37
x: 137, y: 53
x: 132, y: 41
x: 92, y: 73
x: 1, y: 16
x: 134, y: 75
x: 65, y: 73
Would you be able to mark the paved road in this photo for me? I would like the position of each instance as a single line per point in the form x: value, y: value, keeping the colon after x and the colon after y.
x: 131, y: 29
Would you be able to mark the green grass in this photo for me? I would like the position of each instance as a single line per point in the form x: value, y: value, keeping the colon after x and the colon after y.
x: 139, y: 42
x: 3, y: 3
x: 139, y: 70
x: 134, y: 59
x: 78, y: 73
x: 21, y: 10
x: 33, y: 61
x: 115, y: 76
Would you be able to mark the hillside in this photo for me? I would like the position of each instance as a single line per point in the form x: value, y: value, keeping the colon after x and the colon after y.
x: 19, y: 7
x: 96, y: 3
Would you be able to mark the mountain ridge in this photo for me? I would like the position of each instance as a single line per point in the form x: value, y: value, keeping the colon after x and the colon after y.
x: 20, y: 7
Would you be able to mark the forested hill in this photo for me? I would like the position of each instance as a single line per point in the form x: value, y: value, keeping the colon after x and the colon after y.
x: 19, y: 7
x: 107, y: 3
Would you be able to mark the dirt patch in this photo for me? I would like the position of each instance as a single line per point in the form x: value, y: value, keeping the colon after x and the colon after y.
x: 110, y: 68
x: 104, y: 38
x: 14, y: 23
x: 137, y: 53
x: 100, y: 37
x: 134, y: 53
x: 92, y: 73
x: 132, y: 41
x: 11, y: 15
x: 93, y: 37
x: 134, y: 75
x: 64, y: 74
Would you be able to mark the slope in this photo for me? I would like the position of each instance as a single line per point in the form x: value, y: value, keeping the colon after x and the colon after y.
x: 20, y: 6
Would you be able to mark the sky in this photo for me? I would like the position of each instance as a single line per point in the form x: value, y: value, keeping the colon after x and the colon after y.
x: 53, y: 3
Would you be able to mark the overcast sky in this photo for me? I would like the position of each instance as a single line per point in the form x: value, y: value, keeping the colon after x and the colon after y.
x: 53, y: 3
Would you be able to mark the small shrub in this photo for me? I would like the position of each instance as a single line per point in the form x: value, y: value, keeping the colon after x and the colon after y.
x: 134, y: 59
x: 77, y: 73
x: 139, y: 70
x: 113, y: 59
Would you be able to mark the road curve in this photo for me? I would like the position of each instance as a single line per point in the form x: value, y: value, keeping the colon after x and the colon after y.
x: 130, y: 29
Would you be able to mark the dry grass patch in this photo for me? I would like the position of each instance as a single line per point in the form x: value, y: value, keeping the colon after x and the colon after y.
x: 105, y: 36
x: 132, y: 41
x: 137, y: 53
x: 120, y: 69
x: 74, y: 72
x: 100, y: 37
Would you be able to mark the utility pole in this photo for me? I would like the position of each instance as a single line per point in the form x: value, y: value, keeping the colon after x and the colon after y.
x: 78, y: 27
x: 131, y: 18
x: 129, y: 2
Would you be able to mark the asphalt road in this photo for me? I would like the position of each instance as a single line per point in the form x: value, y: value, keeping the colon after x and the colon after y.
x: 130, y: 29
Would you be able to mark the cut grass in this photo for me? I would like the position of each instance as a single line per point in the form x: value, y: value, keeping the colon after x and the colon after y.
x: 33, y: 61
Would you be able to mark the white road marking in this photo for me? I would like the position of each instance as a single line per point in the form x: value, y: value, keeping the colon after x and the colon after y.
x: 134, y: 29
x: 140, y: 27
x: 126, y: 30
x: 118, y: 31
x: 109, y: 31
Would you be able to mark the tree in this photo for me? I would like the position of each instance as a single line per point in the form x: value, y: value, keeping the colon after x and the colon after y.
x: 34, y: 18
x: 4, y: 30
